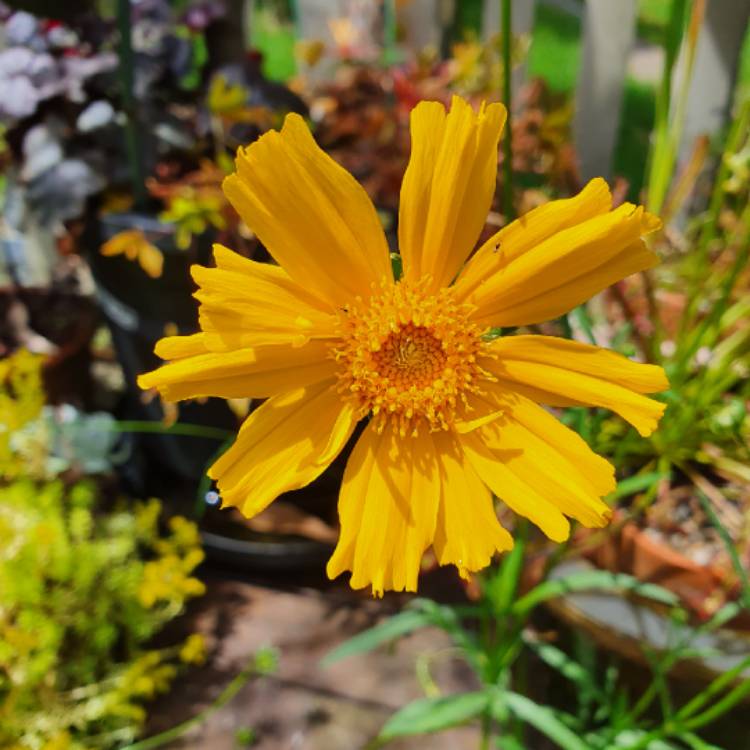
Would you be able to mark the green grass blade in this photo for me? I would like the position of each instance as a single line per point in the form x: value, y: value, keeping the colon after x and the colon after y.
x: 434, y: 715
x: 638, y: 483
x: 592, y: 580
x: 569, y: 668
x: 394, y: 627
x: 714, y: 688
x: 721, y: 530
x: 545, y: 721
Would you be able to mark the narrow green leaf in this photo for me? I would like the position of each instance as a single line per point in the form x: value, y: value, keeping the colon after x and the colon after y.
x: 724, y: 680
x: 544, y: 720
x: 696, y: 743
x: 580, y: 316
x: 434, y: 714
x: 450, y: 619
x: 731, y: 548
x: 492, y: 333
x: 638, y: 739
x: 637, y: 483
x: 559, y: 660
x: 728, y: 612
x: 501, y: 587
x: 397, y: 265
x: 721, y: 707
x: 588, y: 580
x: 398, y: 625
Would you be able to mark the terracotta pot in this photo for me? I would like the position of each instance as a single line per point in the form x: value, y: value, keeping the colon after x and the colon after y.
x: 631, y: 550
x: 632, y: 626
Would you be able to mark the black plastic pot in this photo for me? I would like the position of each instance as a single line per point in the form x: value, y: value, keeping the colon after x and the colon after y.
x: 138, y: 310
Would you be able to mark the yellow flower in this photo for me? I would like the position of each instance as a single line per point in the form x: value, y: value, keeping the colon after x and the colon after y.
x: 21, y: 401
x: 225, y: 97
x: 192, y: 211
x: 309, y: 51
x: 330, y: 338
x: 193, y: 651
x: 59, y: 741
x: 134, y: 244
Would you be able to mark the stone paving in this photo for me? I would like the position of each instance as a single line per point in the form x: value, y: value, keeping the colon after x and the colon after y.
x: 305, y: 706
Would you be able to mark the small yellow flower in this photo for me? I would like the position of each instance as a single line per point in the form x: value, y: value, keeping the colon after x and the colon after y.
x: 21, y: 401
x: 309, y: 51
x: 134, y: 245
x: 193, y: 651
x: 167, y: 579
x: 60, y: 741
x: 192, y: 211
x: 224, y: 97
x: 330, y: 338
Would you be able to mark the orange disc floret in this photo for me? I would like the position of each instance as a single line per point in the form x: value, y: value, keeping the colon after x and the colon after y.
x: 409, y: 357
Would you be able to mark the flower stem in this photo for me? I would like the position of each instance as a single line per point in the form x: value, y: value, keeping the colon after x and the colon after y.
x: 179, y: 428
x: 506, y: 15
x: 132, y: 133
x: 170, y: 735
x: 484, y: 742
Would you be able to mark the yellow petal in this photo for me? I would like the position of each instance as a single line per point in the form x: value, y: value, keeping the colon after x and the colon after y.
x: 310, y: 213
x: 565, y: 269
x: 151, y: 259
x: 530, y: 230
x: 566, y: 372
x: 121, y: 241
x: 522, y: 498
x: 532, y: 461
x: 175, y: 347
x: 468, y: 532
x: 244, y: 303
x: 283, y: 445
x: 388, y: 510
x: 258, y: 372
x: 448, y: 186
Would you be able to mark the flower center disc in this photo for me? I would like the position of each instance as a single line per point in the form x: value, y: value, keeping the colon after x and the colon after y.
x: 409, y: 357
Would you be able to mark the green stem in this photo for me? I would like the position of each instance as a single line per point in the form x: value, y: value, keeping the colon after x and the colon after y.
x: 488, y: 648
x: 132, y: 133
x: 730, y: 700
x: 662, y: 154
x: 484, y: 742
x: 737, y: 134
x: 647, y: 739
x: 700, y: 700
x: 205, y: 482
x: 730, y: 546
x: 170, y: 735
x: 735, y: 139
x: 507, y: 37
x: 180, y: 428
x: 719, y: 308
x: 390, y: 49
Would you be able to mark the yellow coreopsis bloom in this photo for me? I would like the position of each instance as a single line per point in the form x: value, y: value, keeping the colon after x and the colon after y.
x: 330, y: 338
